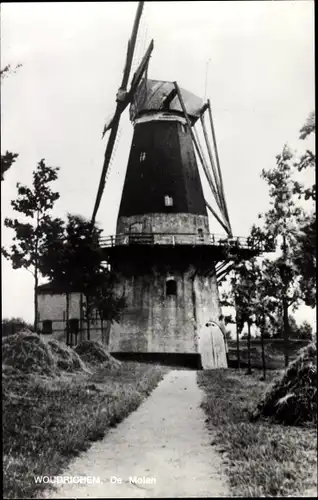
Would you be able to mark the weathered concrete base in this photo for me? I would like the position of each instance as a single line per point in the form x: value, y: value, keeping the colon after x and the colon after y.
x: 155, y: 321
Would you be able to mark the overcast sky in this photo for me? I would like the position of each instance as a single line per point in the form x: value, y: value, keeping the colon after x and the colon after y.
x: 254, y: 59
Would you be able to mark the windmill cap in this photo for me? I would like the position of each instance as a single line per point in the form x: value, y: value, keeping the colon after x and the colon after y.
x: 151, y: 94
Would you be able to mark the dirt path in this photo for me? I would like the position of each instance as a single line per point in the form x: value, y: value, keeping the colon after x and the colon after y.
x: 164, y: 441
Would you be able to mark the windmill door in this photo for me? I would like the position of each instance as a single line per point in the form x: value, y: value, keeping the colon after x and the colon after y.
x: 212, y: 347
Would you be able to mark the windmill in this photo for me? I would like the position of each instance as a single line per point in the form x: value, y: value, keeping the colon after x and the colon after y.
x: 167, y: 262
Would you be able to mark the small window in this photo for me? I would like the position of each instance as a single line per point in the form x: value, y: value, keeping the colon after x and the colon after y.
x: 184, y: 127
x: 171, y: 287
x: 47, y: 327
x: 168, y: 201
x: 142, y: 156
x: 200, y: 233
x: 73, y: 325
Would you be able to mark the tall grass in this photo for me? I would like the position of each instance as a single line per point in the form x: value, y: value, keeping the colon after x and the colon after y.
x: 262, y: 459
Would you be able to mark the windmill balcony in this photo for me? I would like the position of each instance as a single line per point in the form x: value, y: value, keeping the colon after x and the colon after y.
x: 184, y: 239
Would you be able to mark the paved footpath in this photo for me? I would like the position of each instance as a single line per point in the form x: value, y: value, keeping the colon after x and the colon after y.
x: 164, y: 446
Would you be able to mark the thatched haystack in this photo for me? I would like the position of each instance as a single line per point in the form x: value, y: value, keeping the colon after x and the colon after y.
x: 26, y: 352
x: 94, y: 353
x: 66, y: 359
x: 292, y: 399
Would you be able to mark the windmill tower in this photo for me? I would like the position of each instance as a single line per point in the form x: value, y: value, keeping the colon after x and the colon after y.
x: 166, y: 260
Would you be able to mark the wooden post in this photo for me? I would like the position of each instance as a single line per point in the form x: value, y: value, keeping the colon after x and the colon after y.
x: 262, y: 345
x: 88, y: 315
x: 285, y: 304
x: 237, y: 339
x: 249, y: 370
x: 108, y: 325
x: 67, y: 318
x: 81, y: 317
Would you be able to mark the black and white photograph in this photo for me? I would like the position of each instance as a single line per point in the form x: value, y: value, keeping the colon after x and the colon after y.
x: 158, y: 249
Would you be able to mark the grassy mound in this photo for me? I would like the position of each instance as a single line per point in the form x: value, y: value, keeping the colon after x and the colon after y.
x: 27, y: 353
x: 292, y: 399
x: 93, y: 352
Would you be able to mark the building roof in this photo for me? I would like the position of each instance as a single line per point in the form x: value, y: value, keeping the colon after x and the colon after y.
x: 52, y: 287
x: 150, y: 95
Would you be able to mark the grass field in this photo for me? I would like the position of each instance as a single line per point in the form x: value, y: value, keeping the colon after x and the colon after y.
x: 274, y: 352
x: 47, y: 421
x: 261, y: 459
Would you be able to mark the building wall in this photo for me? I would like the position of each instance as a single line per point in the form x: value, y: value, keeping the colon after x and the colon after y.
x: 52, y: 306
x: 163, y: 223
x: 155, y: 322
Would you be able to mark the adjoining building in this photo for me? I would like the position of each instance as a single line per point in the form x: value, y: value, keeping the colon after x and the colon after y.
x: 52, y: 316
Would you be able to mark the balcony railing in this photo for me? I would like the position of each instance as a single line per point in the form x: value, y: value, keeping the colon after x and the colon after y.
x: 194, y: 239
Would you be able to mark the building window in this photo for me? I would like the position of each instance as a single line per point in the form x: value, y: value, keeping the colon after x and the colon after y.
x: 47, y: 327
x: 168, y: 201
x: 171, y: 287
x: 142, y: 156
x: 184, y: 127
x: 200, y: 234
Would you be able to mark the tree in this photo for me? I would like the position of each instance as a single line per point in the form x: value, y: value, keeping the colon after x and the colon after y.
x: 8, y: 158
x: 304, y: 254
x: 305, y: 331
x: 35, y: 205
x: 14, y: 325
x: 109, y: 306
x: 270, y: 287
x: 7, y: 161
x: 75, y: 262
x: 253, y: 294
x: 304, y: 258
x: 241, y: 298
x: 5, y: 72
x: 281, y: 222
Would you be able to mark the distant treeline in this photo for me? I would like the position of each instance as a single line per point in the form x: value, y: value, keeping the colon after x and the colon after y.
x: 14, y: 325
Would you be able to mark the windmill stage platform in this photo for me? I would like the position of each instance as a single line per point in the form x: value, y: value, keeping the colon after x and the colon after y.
x: 177, y: 249
x: 213, y: 246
